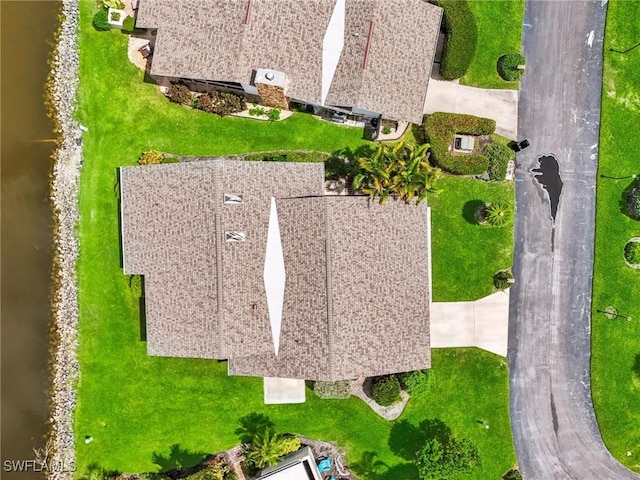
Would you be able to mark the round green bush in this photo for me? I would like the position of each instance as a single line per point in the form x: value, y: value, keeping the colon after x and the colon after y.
x: 416, y: 382
x: 632, y: 253
x: 503, y: 280
x: 101, y: 21
x: 632, y: 204
x: 386, y: 390
x: 508, y: 66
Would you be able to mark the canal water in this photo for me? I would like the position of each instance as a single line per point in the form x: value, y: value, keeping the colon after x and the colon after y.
x: 26, y: 33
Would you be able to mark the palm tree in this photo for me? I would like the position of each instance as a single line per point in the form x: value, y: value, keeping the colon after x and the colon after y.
x: 400, y: 170
x: 498, y: 214
x: 268, y: 447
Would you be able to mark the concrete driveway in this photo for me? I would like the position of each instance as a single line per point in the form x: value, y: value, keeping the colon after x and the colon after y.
x: 450, y: 96
x: 483, y: 323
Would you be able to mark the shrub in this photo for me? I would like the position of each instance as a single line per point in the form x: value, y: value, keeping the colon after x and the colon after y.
x: 440, y: 128
x: 128, y: 24
x: 440, y: 458
x: 513, y: 474
x: 498, y: 214
x: 101, y: 21
x: 287, y: 156
x: 462, y: 36
x: 499, y: 157
x: 152, y: 157
x: 228, y: 103
x: 386, y: 390
x: 257, y: 112
x: 338, y: 166
x: 179, y: 93
x: 205, y: 103
x: 632, y: 253
x: 632, y: 203
x: 274, y: 114
x: 115, y: 16
x: 416, y: 382
x: 508, y: 66
x: 341, y: 389
x: 119, y: 4
x: 386, y: 130
x: 135, y: 284
x: 217, y: 472
x: 503, y: 280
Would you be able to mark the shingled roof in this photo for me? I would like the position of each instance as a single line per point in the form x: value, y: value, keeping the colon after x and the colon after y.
x: 384, y: 66
x: 356, y: 295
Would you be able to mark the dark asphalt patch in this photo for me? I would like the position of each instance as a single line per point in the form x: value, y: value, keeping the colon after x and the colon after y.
x: 548, y: 175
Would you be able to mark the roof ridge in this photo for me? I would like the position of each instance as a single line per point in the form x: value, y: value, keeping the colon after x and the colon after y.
x: 329, y: 286
x: 218, y: 235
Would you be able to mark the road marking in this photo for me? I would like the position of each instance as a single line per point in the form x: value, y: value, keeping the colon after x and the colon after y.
x: 527, y: 25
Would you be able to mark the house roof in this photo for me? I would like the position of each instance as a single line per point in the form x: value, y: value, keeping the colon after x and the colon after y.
x: 384, y: 65
x: 356, y: 274
x: 356, y: 301
x: 205, y: 297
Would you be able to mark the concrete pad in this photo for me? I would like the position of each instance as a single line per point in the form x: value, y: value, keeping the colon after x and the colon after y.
x: 450, y: 96
x: 283, y: 390
x: 483, y: 323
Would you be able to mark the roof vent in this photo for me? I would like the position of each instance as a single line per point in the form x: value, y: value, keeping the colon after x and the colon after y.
x: 269, y: 76
x: 234, y: 236
x: 233, y: 198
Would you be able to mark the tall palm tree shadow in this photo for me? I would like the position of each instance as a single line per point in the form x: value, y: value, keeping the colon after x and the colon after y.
x: 178, y: 457
x: 375, y: 469
x: 251, y: 425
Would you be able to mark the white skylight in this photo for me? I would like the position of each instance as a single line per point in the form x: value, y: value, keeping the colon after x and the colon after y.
x: 332, y: 46
x: 274, y: 275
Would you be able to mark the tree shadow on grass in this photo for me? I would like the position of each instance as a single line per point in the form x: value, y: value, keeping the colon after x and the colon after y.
x: 251, y: 425
x: 177, y: 458
x: 96, y: 472
x: 405, y: 439
x: 374, y: 469
x: 636, y: 365
x: 469, y: 211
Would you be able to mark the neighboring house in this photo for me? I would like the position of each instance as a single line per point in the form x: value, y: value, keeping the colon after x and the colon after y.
x: 250, y: 262
x: 370, y: 57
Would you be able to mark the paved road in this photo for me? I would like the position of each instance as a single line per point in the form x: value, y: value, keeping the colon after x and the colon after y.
x: 554, y: 426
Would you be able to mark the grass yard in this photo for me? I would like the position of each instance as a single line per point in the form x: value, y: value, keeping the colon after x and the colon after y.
x: 615, y: 366
x: 499, y: 32
x: 150, y: 413
x: 468, y: 254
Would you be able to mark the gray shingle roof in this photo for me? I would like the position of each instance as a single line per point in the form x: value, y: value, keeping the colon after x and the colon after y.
x: 204, y: 296
x: 356, y: 300
x: 209, y: 39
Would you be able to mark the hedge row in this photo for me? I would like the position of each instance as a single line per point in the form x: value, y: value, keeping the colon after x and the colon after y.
x: 462, y: 36
x: 440, y: 128
x: 287, y: 156
x: 340, y: 389
x: 499, y: 157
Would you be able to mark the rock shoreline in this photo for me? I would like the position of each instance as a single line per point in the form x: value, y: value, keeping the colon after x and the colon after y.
x: 67, y: 162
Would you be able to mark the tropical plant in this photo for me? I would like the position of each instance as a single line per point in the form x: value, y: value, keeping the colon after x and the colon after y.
x: 257, y: 112
x: 152, y: 157
x: 401, y: 170
x: 498, y: 214
x: 386, y: 390
x: 274, y: 114
x: 438, y: 459
x: 267, y: 447
x: 101, y: 21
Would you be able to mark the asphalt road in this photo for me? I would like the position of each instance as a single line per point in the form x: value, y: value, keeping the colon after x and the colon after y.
x: 555, y: 430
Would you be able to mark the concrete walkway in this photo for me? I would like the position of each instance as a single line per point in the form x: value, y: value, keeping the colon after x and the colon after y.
x: 450, y: 96
x: 483, y: 323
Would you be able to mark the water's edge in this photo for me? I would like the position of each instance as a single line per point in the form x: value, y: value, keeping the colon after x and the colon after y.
x: 67, y: 158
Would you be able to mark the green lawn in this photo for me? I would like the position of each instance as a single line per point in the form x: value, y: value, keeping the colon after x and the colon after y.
x: 467, y: 254
x: 615, y: 366
x: 499, y: 32
x: 137, y: 407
